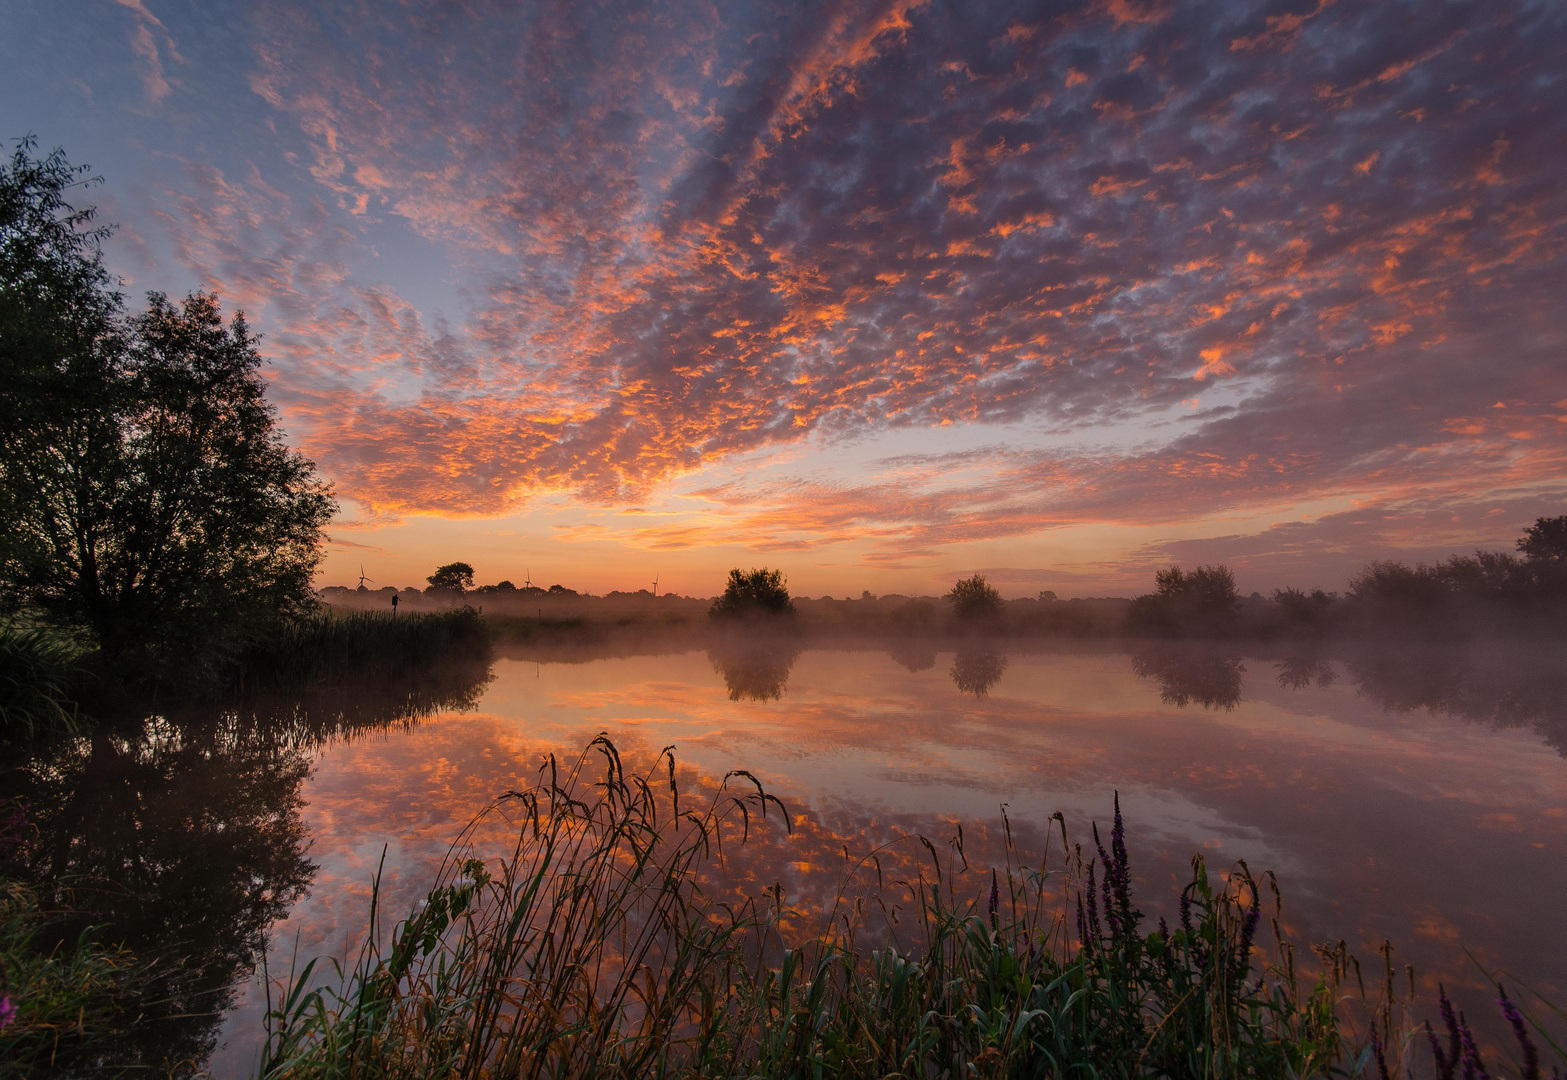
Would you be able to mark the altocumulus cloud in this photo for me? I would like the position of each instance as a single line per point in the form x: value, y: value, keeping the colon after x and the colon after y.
x: 686, y: 231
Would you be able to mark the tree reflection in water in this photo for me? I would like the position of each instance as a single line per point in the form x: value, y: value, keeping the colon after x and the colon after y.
x: 1500, y: 684
x: 755, y: 669
x: 1207, y: 674
x: 1300, y: 670
x: 179, y: 836
x: 975, y: 671
x: 914, y: 656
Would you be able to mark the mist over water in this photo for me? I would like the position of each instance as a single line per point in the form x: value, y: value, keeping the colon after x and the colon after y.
x: 1415, y: 796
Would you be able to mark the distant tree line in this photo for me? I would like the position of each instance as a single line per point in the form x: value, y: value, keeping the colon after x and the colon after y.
x: 1489, y: 592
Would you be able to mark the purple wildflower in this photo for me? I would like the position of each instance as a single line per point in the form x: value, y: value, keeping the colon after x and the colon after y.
x: 1531, y: 1056
x: 1474, y: 1068
x: 1377, y: 1050
x: 1093, y: 907
x: 7, y: 1012
x: 1248, y: 931
x: 1461, y: 1048
x: 1105, y: 887
x: 1123, y: 877
x: 1444, y: 1064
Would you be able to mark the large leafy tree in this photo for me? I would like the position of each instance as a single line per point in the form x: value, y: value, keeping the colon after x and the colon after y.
x: 454, y: 577
x: 148, y: 494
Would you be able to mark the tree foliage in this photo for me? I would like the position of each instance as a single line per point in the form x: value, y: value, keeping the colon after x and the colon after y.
x: 758, y: 592
x: 1545, y: 540
x: 456, y: 577
x: 974, y: 598
x: 147, y: 491
x: 1202, y: 601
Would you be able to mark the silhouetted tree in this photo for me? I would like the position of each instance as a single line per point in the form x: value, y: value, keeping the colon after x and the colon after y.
x: 757, y: 592
x: 454, y: 577
x: 145, y: 491
x: 974, y: 599
x: 1202, y: 602
x: 1301, y: 609
x: 1545, y: 540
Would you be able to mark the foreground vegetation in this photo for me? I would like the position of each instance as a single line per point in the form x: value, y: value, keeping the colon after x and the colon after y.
x: 598, y: 948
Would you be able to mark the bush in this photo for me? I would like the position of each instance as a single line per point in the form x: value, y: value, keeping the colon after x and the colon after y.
x: 1203, y: 602
x: 760, y: 592
x: 974, y: 599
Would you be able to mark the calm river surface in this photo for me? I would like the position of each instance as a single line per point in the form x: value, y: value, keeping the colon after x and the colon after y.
x: 1412, y: 799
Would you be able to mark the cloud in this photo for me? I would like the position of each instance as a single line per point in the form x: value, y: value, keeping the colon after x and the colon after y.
x: 146, y: 46
x: 691, y: 233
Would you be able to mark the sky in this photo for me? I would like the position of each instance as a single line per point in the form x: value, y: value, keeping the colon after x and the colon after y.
x: 881, y: 294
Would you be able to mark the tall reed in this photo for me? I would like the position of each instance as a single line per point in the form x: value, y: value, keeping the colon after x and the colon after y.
x: 603, y: 947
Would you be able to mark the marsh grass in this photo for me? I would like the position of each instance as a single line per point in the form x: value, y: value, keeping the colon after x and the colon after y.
x: 600, y: 947
x: 39, y: 672
x: 61, y: 1006
x: 336, y: 646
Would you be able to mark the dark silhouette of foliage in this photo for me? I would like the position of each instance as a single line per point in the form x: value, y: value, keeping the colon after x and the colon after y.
x: 147, y: 493
x: 1465, y: 596
x: 1545, y: 540
x: 1203, y: 602
x: 1301, y: 609
x: 454, y: 577
x: 760, y: 592
x: 975, y: 599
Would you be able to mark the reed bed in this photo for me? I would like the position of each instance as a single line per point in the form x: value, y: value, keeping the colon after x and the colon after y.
x: 333, y: 646
x: 595, y: 950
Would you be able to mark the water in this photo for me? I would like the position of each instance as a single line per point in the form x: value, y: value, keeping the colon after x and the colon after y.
x: 1416, y: 796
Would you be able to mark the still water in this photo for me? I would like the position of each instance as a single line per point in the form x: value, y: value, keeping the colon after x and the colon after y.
x: 1418, y: 797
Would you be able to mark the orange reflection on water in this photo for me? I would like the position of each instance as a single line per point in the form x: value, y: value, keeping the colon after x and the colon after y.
x: 1433, y: 832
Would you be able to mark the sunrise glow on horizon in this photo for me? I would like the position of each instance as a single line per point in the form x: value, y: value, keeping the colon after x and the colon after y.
x: 882, y: 294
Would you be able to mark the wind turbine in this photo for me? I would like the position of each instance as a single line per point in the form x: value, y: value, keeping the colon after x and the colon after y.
x: 527, y: 582
x: 362, y: 578
x: 655, y: 584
